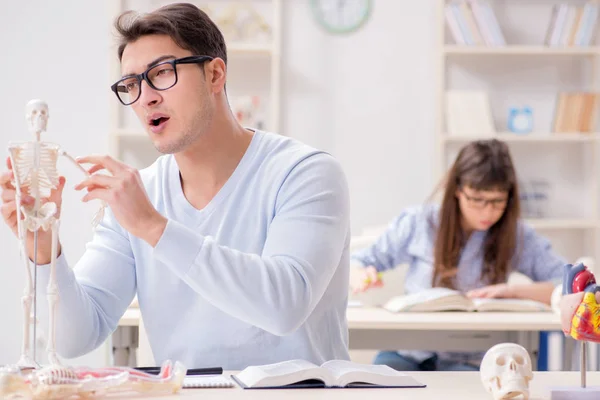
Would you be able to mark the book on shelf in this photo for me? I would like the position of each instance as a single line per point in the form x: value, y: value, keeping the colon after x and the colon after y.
x: 472, y: 22
x: 444, y: 299
x: 572, y: 25
x: 294, y: 374
x: 468, y: 113
x: 575, y: 112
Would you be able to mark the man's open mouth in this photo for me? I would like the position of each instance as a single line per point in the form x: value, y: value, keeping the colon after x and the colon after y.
x: 158, y: 121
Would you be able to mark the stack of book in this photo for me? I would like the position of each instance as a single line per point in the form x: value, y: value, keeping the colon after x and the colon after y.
x: 572, y: 25
x: 473, y: 23
x: 575, y: 112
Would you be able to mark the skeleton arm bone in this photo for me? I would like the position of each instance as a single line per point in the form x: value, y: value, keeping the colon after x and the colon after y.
x: 100, y: 214
x: 72, y: 159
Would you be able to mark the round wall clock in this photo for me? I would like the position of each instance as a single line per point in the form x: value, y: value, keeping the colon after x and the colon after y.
x: 341, y: 16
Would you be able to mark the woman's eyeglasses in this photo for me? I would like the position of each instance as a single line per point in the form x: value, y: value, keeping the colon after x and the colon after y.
x: 479, y: 203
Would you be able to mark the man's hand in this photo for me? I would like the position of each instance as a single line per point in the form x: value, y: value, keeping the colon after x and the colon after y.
x: 8, y: 209
x: 124, y: 192
x: 501, y: 290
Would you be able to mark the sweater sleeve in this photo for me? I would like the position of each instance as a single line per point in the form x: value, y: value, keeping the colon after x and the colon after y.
x: 391, y: 248
x: 278, y: 289
x: 536, y: 258
x: 94, y: 294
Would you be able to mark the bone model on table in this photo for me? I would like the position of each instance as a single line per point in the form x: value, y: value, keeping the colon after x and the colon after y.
x: 58, y: 382
x: 35, y: 174
x: 506, y: 370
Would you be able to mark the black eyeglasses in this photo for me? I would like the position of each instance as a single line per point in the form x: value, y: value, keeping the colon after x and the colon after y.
x: 479, y: 203
x: 161, y: 76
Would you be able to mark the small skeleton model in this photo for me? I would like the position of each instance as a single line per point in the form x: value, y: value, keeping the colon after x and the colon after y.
x: 57, y: 382
x: 506, y: 370
x: 35, y: 174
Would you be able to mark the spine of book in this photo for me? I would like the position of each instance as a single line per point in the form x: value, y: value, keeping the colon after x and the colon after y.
x: 482, y: 23
x: 453, y: 26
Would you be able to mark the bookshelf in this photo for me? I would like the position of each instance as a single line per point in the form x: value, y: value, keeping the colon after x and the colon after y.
x: 528, y: 53
x: 521, y: 50
x: 254, y: 70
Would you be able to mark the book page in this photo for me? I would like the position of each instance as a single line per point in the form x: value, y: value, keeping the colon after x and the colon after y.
x: 522, y: 305
x: 339, y: 368
x: 346, y: 373
x: 279, y: 374
x: 434, y: 299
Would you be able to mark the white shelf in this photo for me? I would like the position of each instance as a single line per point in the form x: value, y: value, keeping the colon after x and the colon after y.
x: 250, y: 48
x: 520, y: 49
x: 571, y: 137
x: 562, y: 224
x: 459, y: 68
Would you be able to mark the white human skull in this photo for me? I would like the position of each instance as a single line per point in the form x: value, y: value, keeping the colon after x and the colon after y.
x: 506, y: 371
x: 37, y: 115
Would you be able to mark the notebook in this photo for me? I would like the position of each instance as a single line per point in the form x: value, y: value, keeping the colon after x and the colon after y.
x: 207, y: 381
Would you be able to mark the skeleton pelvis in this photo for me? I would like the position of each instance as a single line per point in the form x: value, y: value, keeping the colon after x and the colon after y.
x: 43, y: 218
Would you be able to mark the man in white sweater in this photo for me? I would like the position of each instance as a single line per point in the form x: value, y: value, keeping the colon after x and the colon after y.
x: 235, y: 241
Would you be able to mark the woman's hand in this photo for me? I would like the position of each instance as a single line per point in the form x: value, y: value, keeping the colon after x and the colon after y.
x: 362, y: 279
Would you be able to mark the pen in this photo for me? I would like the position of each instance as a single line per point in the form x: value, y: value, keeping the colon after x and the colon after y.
x: 191, y: 371
x: 379, y: 276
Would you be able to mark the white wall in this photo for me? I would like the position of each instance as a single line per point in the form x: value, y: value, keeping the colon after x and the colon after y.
x: 368, y: 97
x: 65, y: 64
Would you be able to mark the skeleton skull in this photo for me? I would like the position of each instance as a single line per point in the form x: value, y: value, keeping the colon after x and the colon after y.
x: 37, y: 115
x: 506, y: 371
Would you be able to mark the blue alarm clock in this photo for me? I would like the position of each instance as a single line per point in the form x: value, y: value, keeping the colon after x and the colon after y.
x: 520, y: 120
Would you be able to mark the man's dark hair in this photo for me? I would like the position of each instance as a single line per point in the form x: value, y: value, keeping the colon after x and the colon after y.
x: 190, y: 27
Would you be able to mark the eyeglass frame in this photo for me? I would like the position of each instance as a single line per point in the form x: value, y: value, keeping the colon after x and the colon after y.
x: 493, y: 202
x: 144, y: 75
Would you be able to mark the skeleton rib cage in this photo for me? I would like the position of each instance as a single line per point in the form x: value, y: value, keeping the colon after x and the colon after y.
x: 36, y: 180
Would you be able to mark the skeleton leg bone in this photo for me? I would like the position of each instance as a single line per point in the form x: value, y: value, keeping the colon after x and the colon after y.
x: 52, y: 293
x: 25, y: 360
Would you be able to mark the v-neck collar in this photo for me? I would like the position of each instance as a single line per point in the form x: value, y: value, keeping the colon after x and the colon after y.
x: 197, y: 215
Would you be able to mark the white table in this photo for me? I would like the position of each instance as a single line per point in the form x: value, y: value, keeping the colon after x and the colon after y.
x: 377, y: 329
x: 440, y: 386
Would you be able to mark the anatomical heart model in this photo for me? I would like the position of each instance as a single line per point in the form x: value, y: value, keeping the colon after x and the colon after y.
x: 35, y: 174
x: 585, y: 323
x: 58, y: 382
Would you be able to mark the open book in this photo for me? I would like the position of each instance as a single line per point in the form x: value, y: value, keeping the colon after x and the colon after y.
x: 332, y: 374
x: 443, y: 299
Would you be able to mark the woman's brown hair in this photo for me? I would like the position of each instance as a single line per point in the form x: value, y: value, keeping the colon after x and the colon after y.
x: 480, y: 165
